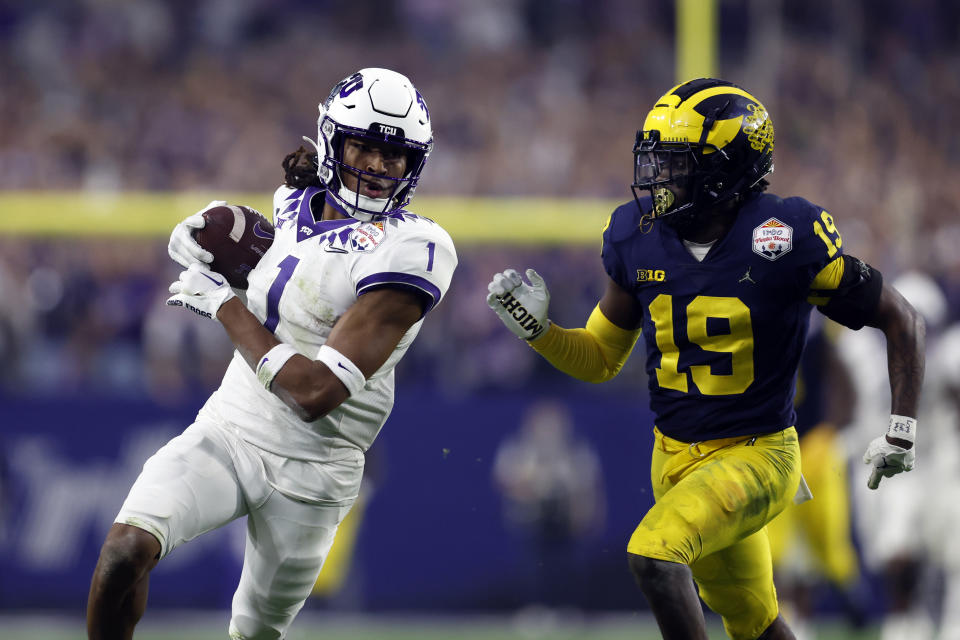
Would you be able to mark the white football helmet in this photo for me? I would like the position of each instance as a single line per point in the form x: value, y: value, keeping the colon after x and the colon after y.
x: 378, y: 105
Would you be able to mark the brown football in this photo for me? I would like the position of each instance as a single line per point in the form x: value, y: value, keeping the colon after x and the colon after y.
x: 237, y: 236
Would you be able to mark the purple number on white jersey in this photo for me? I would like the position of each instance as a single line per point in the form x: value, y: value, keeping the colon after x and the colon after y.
x: 287, y: 265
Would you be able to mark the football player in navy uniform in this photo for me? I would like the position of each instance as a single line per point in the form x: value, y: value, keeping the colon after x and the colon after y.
x: 330, y: 309
x: 720, y: 278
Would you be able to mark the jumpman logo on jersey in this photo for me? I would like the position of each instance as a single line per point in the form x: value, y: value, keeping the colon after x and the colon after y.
x: 746, y: 277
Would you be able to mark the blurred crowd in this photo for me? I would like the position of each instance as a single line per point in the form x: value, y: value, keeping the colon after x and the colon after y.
x: 528, y: 97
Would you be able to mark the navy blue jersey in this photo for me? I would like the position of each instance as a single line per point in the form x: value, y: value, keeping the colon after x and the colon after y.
x: 724, y: 336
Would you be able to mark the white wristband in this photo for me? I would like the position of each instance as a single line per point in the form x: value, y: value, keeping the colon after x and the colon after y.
x: 902, y: 428
x: 348, y: 373
x: 271, y: 363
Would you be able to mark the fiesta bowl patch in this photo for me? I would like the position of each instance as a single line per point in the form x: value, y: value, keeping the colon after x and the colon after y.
x: 367, y: 237
x: 772, y: 239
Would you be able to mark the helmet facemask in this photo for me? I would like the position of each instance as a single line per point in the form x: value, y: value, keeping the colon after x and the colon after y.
x: 380, y: 108
x: 397, y: 190
x: 677, y: 177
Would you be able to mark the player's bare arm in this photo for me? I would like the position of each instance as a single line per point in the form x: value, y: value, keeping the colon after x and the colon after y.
x: 905, y: 332
x: 903, y: 327
x: 366, y: 334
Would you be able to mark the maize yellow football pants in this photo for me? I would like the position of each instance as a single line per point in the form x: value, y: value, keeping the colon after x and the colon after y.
x: 713, y: 500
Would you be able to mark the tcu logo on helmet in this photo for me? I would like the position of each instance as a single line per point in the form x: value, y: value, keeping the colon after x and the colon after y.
x: 351, y: 84
x: 423, y: 105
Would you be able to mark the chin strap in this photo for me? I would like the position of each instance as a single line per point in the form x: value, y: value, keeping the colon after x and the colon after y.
x: 364, y: 208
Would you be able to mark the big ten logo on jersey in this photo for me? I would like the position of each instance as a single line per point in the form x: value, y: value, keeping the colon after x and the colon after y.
x: 368, y: 236
x: 651, y: 275
x: 772, y: 239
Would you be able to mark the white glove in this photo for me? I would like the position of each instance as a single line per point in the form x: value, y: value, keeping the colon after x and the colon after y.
x: 522, y: 307
x: 182, y: 247
x: 889, y: 459
x: 201, y: 291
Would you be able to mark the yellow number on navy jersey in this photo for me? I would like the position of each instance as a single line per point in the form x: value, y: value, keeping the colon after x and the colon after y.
x: 661, y: 313
x: 828, y: 233
x: 738, y: 343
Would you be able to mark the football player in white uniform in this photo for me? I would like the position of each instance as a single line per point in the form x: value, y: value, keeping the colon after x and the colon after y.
x: 331, y: 308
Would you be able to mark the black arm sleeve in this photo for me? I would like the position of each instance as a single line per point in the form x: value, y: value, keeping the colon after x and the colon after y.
x: 854, y: 302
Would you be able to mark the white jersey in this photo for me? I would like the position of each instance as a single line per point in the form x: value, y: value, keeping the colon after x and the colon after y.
x: 940, y: 426
x: 312, y: 273
x: 911, y: 513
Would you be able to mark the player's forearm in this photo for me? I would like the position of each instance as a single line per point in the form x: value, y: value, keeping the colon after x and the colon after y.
x: 905, y: 363
x: 300, y: 382
x: 592, y: 354
x: 249, y: 336
x: 906, y: 335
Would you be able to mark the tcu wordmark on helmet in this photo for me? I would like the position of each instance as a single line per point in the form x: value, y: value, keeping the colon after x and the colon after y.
x: 379, y: 106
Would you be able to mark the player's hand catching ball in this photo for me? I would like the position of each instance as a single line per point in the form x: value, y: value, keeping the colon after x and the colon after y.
x: 183, y: 248
x: 201, y: 291
x: 522, y: 307
x: 890, y: 458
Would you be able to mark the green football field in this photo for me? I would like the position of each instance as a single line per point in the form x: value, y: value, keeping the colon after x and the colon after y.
x: 319, y: 626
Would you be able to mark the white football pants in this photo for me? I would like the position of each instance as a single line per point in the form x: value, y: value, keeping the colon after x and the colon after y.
x: 207, y: 477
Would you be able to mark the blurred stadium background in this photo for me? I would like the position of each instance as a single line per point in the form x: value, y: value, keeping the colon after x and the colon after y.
x: 119, y: 118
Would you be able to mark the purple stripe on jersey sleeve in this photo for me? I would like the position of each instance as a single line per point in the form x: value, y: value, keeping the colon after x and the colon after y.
x: 403, y: 279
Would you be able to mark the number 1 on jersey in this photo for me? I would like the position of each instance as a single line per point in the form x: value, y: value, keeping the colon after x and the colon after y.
x: 287, y: 265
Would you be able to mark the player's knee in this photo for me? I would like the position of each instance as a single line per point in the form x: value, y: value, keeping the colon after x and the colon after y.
x: 640, y: 566
x: 655, y: 575
x: 127, y: 554
x: 253, y: 628
x: 258, y: 616
x: 778, y: 630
